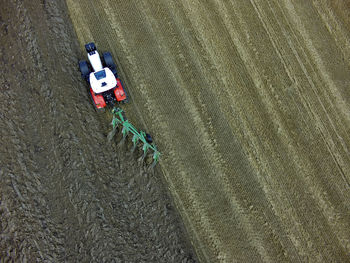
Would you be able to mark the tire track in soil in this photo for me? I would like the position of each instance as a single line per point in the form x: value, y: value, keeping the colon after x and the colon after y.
x: 336, y: 27
x: 236, y: 183
x: 258, y: 62
x: 163, y: 55
x: 165, y: 52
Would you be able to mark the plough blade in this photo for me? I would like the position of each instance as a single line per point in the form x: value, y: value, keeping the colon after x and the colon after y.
x: 148, y: 145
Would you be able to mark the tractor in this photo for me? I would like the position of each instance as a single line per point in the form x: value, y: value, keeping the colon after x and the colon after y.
x: 105, y: 85
x: 106, y: 89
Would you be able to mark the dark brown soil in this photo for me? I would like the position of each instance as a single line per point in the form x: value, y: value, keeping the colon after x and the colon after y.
x: 66, y: 194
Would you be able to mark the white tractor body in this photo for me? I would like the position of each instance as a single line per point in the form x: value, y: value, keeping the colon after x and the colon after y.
x: 101, y: 74
x: 102, y: 80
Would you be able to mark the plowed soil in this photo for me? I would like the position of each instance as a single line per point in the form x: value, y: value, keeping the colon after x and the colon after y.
x: 66, y: 194
x: 249, y: 102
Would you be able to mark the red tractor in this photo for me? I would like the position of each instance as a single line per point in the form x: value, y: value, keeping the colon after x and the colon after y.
x: 105, y: 86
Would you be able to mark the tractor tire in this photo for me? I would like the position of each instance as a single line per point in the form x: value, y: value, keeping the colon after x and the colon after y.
x: 108, y: 59
x: 126, y: 100
x: 84, y: 69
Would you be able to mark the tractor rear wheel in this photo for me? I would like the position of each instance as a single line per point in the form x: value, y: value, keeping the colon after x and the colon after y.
x: 108, y: 59
x: 84, y: 69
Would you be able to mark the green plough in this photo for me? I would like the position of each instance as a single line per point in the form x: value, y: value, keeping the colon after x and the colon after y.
x: 119, y: 119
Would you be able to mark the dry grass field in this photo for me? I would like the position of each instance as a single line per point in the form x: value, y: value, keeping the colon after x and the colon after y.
x: 249, y: 102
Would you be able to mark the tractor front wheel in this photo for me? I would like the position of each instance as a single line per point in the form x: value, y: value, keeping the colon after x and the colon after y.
x: 108, y: 59
x: 84, y: 69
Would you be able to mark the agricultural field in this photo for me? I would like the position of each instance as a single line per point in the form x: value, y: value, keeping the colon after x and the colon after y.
x: 249, y: 102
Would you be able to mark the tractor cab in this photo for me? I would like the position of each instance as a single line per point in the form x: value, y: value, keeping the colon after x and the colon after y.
x: 102, y: 80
